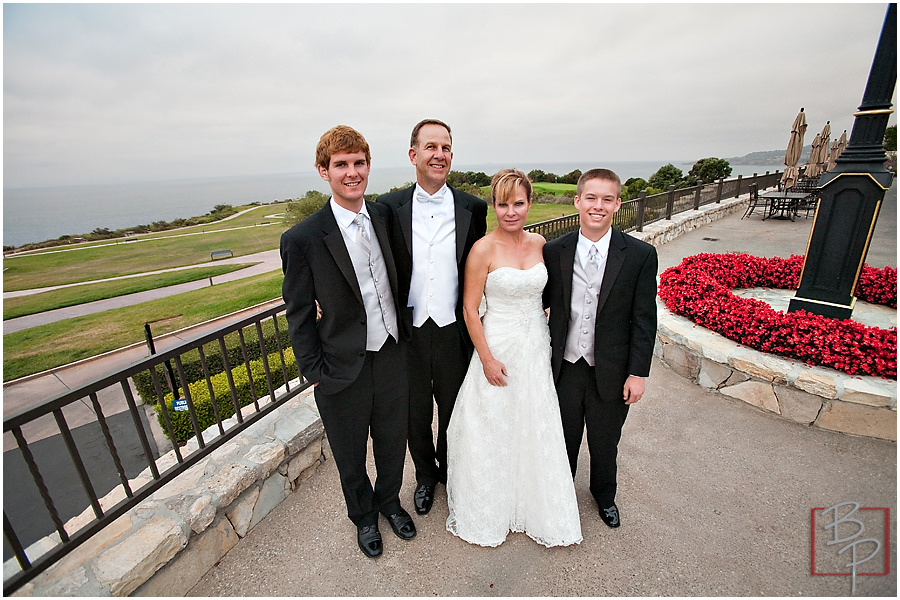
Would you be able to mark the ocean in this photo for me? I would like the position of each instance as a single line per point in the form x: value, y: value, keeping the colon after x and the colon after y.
x: 35, y: 214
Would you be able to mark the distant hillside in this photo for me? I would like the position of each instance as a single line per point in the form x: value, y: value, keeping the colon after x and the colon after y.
x: 767, y: 158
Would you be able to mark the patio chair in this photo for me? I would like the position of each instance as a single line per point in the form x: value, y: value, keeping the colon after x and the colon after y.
x: 756, y: 201
x: 808, y: 185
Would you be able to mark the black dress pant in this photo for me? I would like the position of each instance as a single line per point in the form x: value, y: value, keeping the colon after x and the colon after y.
x: 580, y: 404
x: 438, y: 360
x: 376, y: 404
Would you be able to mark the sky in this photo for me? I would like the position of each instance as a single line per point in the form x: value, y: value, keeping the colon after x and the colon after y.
x: 108, y: 93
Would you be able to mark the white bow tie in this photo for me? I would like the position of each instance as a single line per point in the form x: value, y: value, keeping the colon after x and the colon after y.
x: 423, y: 196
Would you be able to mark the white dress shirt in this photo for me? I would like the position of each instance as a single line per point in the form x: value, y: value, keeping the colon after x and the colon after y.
x: 434, y: 287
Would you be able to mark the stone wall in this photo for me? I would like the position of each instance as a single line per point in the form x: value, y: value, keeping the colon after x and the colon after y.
x: 163, y: 546
x: 813, y: 396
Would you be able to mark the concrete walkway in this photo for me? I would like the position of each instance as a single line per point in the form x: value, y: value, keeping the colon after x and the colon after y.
x: 715, y: 495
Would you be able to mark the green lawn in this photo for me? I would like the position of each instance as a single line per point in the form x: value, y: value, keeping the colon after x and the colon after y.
x: 541, y: 187
x: 35, y: 303
x: 126, y: 258
x: 537, y: 213
x: 41, y: 348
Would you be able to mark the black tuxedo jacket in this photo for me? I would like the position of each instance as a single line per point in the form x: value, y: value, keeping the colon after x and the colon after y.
x: 625, y: 325
x: 317, y: 267
x: 471, y: 224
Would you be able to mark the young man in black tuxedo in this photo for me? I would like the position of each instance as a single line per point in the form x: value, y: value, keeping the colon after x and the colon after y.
x: 436, y: 226
x: 339, y: 260
x: 601, y: 292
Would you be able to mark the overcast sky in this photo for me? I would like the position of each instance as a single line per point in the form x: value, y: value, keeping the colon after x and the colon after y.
x: 110, y: 93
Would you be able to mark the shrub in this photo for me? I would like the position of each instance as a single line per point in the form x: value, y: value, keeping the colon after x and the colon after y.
x: 193, y: 368
x: 181, y: 420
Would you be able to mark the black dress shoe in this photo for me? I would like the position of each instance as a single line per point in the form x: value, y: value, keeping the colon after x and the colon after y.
x: 402, y: 524
x: 423, y: 498
x: 610, y: 515
x: 369, y: 540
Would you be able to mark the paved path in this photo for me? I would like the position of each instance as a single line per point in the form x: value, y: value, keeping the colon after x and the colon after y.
x: 716, y: 498
x: 269, y: 260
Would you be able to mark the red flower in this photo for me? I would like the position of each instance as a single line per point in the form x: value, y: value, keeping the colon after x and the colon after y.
x: 700, y: 289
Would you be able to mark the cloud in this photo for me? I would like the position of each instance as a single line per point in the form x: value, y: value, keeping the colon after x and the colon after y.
x: 111, y: 92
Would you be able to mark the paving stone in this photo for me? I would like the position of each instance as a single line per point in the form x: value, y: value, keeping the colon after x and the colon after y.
x: 189, y: 566
x: 268, y: 456
x: 242, y: 511
x: 127, y: 565
x: 859, y: 419
x: 713, y: 374
x: 757, y: 393
x: 816, y: 381
x: 797, y: 405
x: 866, y: 391
x: 229, y: 481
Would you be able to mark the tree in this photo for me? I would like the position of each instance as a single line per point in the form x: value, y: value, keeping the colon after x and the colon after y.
x: 536, y: 175
x: 665, y: 176
x: 632, y: 188
x: 571, y: 177
x: 305, y: 206
x: 707, y: 170
x: 890, y: 139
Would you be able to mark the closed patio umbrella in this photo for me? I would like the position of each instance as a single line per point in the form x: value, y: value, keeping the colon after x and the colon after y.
x: 819, y: 154
x: 833, y: 154
x: 794, y: 149
x: 813, y: 168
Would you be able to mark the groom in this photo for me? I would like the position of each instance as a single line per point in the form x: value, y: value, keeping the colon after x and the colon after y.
x: 601, y: 292
x: 436, y: 226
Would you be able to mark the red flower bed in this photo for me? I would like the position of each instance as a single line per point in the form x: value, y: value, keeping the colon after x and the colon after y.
x: 700, y: 289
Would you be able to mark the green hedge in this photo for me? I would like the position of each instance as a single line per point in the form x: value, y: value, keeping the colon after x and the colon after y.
x: 193, y: 368
x: 181, y: 420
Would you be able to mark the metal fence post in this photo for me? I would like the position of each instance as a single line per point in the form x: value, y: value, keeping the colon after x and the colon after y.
x: 642, y: 205
x: 670, y: 202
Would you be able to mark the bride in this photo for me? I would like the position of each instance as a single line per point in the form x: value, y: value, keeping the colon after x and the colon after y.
x: 506, y: 457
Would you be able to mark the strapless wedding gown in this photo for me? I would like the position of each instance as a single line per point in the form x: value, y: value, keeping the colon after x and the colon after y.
x: 507, y: 468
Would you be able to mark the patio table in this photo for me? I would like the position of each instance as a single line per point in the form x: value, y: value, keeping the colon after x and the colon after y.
x: 783, y: 203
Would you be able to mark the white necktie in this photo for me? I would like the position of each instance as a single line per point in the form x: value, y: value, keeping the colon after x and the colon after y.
x: 362, y: 234
x: 594, y: 259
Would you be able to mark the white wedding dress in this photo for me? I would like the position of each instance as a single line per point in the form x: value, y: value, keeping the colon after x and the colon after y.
x: 507, y: 468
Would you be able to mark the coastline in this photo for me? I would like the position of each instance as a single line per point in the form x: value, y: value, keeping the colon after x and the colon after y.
x: 36, y: 214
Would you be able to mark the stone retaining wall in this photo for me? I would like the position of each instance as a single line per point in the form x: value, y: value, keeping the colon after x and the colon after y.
x: 163, y: 546
x: 814, y: 396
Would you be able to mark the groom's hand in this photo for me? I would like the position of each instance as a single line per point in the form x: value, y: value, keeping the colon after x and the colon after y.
x: 634, y: 389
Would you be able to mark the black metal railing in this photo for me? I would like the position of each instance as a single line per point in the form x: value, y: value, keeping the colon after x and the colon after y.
x: 643, y: 210
x: 254, y: 388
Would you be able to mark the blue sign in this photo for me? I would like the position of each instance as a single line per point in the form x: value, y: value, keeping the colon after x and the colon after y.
x: 180, y: 404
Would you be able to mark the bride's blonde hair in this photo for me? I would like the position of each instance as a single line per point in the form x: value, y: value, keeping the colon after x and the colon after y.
x: 505, y: 181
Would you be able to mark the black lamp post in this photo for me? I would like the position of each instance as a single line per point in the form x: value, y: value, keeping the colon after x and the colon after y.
x: 851, y: 195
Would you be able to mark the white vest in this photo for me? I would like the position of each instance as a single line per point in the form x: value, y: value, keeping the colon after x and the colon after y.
x: 371, y: 274
x: 583, y: 314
